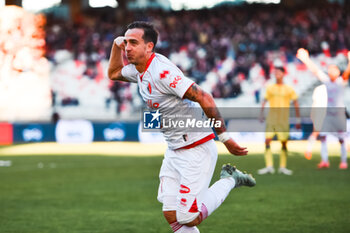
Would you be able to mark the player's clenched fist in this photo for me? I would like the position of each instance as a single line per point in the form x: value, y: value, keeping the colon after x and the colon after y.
x: 119, y: 41
x: 302, y: 54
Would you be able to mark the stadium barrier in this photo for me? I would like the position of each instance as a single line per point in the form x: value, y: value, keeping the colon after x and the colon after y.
x: 69, y: 131
x: 6, y: 133
x: 84, y: 131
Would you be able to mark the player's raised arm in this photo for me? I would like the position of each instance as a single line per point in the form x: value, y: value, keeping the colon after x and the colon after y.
x: 206, y: 101
x: 347, y: 71
x: 116, y: 60
x: 303, y: 55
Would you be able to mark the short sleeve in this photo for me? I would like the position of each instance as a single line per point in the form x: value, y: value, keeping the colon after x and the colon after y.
x: 176, y: 84
x: 268, y: 93
x: 130, y: 73
x: 293, y: 94
x: 341, y: 82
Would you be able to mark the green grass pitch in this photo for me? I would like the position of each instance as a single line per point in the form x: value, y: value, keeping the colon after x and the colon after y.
x: 118, y: 195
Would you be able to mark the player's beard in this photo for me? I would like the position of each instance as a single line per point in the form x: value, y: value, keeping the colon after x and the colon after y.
x: 132, y: 60
x: 136, y: 60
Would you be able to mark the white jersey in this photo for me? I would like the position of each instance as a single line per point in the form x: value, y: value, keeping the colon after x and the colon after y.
x: 319, y: 106
x: 162, y: 86
x: 335, y: 91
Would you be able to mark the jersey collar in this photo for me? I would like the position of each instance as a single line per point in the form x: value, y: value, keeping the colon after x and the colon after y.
x: 148, y: 64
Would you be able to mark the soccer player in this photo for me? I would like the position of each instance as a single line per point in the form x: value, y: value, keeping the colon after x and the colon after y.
x: 190, y: 159
x: 335, y: 115
x: 279, y: 96
x: 317, y: 115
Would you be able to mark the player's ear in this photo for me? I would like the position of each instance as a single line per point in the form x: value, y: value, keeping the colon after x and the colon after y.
x: 150, y: 46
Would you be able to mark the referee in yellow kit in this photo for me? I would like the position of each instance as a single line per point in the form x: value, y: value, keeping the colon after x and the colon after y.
x: 279, y: 96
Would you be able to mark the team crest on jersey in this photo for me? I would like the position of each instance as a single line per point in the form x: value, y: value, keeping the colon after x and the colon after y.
x: 164, y: 74
x: 152, y: 119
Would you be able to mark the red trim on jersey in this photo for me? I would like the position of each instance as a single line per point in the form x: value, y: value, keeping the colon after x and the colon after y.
x: 147, y: 65
x: 188, y: 89
x: 201, y: 141
x: 149, y: 88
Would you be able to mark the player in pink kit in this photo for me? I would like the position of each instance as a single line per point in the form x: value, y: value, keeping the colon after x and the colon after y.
x: 190, y: 159
x: 335, y: 120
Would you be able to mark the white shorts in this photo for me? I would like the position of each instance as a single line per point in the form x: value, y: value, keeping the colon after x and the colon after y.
x: 185, y: 175
x: 317, y: 116
x: 335, y: 124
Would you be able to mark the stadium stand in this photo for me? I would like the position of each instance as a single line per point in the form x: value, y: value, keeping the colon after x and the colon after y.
x: 229, y: 51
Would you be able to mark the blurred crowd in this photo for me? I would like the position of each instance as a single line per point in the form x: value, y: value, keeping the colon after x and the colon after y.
x: 24, y: 71
x: 215, y: 47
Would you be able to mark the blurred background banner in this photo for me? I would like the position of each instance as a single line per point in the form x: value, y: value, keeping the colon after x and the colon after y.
x: 82, y: 131
x: 116, y: 131
x: 6, y: 134
x: 74, y: 131
x: 44, y: 132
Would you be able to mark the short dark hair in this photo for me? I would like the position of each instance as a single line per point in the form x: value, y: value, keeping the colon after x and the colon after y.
x: 150, y: 34
x: 281, y: 68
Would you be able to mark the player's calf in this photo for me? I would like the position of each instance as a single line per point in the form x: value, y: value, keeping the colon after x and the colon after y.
x: 284, y: 145
x: 170, y: 216
x: 181, y: 222
x: 189, y: 219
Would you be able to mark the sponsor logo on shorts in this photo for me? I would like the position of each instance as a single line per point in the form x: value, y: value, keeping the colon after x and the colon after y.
x: 184, y: 189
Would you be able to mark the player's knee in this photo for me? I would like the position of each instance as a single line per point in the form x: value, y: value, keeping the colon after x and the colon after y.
x: 188, y: 219
x: 322, y: 138
x: 284, y: 145
x: 267, y: 143
x: 341, y: 140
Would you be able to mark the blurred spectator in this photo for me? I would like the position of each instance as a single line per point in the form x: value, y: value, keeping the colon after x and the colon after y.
x: 121, y: 95
x: 55, y: 117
